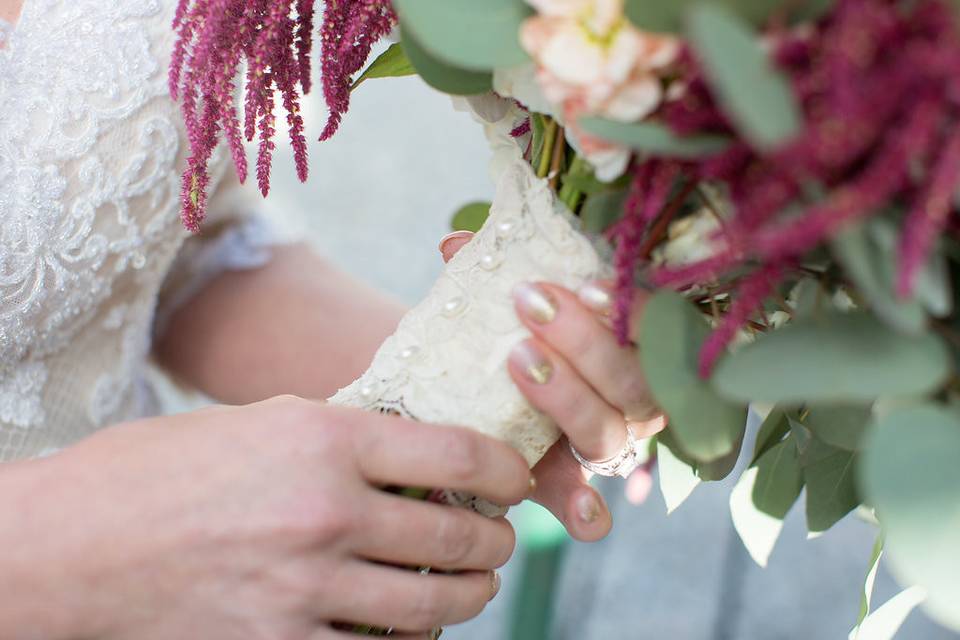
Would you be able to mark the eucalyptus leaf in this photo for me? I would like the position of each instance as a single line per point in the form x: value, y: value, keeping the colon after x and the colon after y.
x: 830, y: 476
x: 884, y: 623
x: 668, y: 16
x: 774, y: 427
x: 392, y: 63
x: 841, y: 427
x: 932, y: 286
x: 867, y: 596
x: 673, y: 330
x: 442, y: 76
x: 711, y: 471
x: 589, y: 184
x: 779, y: 479
x: 479, y: 36
x: 911, y: 475
x: 677, y: 478
x: 758, y: 531
x: 653, y: 138
x: 834, y: 358
x: 470, y: 217
x: 872, y: 266
x: 758, y: 99
x: 602, y: 209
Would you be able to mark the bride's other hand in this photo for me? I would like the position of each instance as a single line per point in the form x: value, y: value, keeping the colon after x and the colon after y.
x: 574, y: 370
x: 263, y: 521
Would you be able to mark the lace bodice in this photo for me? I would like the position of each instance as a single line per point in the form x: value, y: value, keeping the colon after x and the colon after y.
x: 90, y: 147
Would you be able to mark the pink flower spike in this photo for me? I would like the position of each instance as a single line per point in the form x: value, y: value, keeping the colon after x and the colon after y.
x: 753, y: 291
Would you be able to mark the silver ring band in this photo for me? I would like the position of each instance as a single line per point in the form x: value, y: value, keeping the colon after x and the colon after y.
x: 622, y: 463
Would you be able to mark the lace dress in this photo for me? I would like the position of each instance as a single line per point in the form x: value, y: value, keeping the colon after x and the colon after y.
x: 90, y: 152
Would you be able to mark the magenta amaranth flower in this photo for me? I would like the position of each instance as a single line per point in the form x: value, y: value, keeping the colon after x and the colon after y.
x: 879, y: 86
x: 648, y: 195
x: 274, y: 38
x: 753, y: 290
x: 350, y: 29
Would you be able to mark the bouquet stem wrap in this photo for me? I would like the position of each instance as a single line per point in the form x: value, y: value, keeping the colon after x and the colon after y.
x: 446, y: 363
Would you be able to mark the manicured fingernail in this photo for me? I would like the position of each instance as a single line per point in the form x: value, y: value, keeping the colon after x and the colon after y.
x: 596, y: 297
x: 535, y: 303
x: 588, y: 509
x: 452, y: 236
x: 532, y: 362
x: 494, y: 584
x: 533, y: 485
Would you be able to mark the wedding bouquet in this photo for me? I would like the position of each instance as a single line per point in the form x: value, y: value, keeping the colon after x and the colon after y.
x: 784, y: 174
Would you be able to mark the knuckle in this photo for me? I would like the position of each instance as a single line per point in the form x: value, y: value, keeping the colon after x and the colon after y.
x: 456, y: 538
x: 427, y: 608
x: 579, y: 344
x: 631, y: 390
x: 326, y: 521
x: 464, y: 454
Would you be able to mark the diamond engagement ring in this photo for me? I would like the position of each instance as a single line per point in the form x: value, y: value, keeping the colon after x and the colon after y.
x: 622, y: 463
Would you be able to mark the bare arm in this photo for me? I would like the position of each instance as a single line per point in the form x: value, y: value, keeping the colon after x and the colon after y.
x: 298, y: 326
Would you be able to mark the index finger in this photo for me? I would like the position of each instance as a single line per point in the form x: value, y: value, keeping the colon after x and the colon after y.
x: 395, y: 451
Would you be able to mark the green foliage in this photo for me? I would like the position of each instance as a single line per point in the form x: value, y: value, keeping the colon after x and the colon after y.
x: 653, y: 138
x: 911, y: 475
x: 477, y: 36
x: 668, y: 16
x: 872, y: 266
x: 708, y: 471
x: 442, y: 76
x: 678, y: 479
x: 705, y: 426
x: 602, y: 209
x: 779, y: 479
x: 841, y: 427
x: 392, y: 63
x: 830, y: 476
x: 773, y: 429
x: 470, y: 217
x: 835, y: 358
x: 757, y: 98
x: 868, y: 581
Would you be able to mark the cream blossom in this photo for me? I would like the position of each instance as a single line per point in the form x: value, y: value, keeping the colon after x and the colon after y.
x: 591, y: 61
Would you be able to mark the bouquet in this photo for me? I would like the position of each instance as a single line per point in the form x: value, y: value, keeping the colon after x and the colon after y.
x: 783, y: 173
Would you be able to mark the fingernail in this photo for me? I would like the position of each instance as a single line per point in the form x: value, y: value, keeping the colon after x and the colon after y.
x: 596, y: 297
x: 494, y: 584
x: 535, y: 303
x: 451, y: 236
x: 532, y: 362
x: 588, y: 509
x: 533, y: 485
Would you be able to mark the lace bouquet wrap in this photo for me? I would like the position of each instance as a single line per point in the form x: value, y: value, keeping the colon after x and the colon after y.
x: 446, y: 363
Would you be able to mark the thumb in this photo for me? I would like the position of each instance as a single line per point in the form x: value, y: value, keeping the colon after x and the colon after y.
x: 563, y: 489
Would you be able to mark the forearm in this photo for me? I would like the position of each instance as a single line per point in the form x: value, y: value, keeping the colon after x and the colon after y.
x: 45, y: 592
x: 295, y: 326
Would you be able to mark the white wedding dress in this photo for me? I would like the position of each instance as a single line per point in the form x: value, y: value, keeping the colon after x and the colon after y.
x: 90, y: 152
x: 91, y: 147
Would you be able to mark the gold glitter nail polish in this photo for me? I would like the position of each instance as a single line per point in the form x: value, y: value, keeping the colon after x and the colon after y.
x: 595, y: 297
x: 588, y: 508
x: 494, y: 584
x: 535, y: 303
x: 527, y: 357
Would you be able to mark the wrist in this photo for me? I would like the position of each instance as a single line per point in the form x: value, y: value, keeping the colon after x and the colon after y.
x: 46, y: 590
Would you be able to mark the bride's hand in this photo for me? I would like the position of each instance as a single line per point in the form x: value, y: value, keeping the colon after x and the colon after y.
x: 263, y: 521
x: 574, y: 370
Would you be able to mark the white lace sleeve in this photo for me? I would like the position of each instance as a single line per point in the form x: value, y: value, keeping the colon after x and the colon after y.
x: 234, y: 238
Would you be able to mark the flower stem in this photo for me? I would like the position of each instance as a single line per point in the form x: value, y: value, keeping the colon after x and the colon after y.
x: 546, y: 154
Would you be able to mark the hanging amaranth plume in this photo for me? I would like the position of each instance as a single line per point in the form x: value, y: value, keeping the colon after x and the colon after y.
x: 879, y: 85
x: 274, y: 40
